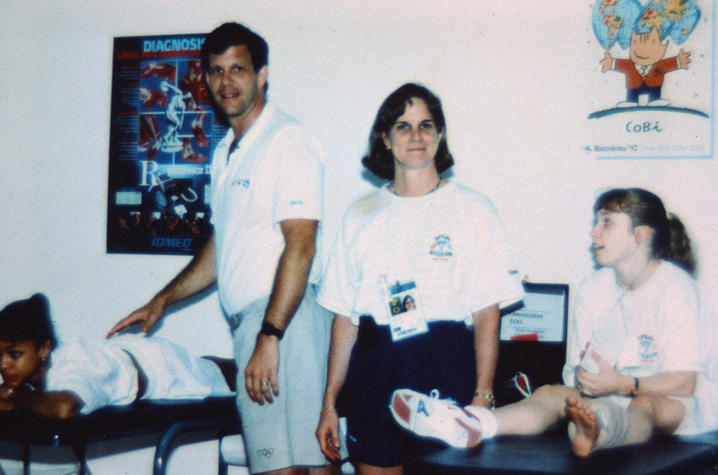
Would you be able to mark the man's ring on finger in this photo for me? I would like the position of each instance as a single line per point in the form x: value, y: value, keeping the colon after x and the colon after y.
x: 264, y: 383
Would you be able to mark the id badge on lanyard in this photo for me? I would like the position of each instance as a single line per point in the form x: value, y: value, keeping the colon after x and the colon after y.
x: 406, y: 314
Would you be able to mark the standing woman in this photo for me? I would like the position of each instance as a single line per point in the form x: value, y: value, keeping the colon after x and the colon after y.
x: 426, y: 238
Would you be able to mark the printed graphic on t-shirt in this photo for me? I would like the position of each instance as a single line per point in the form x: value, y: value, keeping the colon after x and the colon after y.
x: 647, y: 348
x: 441, y: 248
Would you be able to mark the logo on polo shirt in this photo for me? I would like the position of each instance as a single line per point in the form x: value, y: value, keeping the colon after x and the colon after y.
x: 244, y: 183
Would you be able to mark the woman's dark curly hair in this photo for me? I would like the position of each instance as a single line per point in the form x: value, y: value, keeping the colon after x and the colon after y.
x: 380, y: 160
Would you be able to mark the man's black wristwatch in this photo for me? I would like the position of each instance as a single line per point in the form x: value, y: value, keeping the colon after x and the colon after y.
x: 270, y: 330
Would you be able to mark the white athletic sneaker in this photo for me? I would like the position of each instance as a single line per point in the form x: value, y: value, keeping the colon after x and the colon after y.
x: 429, y: 416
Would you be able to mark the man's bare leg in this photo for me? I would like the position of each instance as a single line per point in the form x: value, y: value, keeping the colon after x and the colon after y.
x: 331, y: 469
x: 365, y: 469
x: 325, y: 470
x: 288, y: 471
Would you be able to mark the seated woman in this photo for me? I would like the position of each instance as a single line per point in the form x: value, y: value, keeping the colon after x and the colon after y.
x: 61, y: 381
x: 637, y: 362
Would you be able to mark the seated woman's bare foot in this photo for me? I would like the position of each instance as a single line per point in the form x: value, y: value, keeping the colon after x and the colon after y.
x: 587, y: 428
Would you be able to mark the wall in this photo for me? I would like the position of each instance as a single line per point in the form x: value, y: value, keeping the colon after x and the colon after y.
x: 517, y: 80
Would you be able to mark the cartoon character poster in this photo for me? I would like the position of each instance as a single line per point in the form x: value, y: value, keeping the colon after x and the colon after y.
x: 653, y: 80
x: 163, y: 133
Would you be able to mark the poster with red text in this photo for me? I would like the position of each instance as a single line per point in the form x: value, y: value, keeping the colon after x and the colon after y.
x: 162, y: 135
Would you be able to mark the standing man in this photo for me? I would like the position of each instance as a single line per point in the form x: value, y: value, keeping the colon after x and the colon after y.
x: 266, y: 204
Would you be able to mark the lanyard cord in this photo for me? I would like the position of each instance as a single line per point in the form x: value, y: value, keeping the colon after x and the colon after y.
x: 420, y: 234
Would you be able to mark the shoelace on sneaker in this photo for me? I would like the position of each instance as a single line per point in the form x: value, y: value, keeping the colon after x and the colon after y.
x: 434, y: 394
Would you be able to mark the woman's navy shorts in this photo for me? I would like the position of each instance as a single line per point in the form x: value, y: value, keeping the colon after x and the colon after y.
x: 442, y: 359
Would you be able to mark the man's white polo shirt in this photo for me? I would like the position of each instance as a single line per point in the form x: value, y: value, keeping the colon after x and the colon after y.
x: 274, y: 174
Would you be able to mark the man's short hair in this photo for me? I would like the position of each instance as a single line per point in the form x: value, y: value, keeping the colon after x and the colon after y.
x: 28, y: 320
x: 234, y: 34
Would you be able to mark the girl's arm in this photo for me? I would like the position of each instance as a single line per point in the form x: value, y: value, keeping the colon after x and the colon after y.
x: 53, y: 404
x: 609, y: 381
x: 672, y: 383
x: 5, y: 403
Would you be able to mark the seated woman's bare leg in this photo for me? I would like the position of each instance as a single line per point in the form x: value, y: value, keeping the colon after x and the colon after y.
x: 585, y: 428
x: 653, y: 413
x: 533, y: 415
x: 645, y: 415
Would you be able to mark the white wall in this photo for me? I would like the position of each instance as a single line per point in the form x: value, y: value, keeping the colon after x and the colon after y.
x: 517, y: 80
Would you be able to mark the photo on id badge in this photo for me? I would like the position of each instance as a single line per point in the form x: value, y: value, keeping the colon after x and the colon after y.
x: 406, y: 315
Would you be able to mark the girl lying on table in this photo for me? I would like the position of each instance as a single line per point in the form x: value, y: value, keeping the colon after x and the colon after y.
x: 63, y: 380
